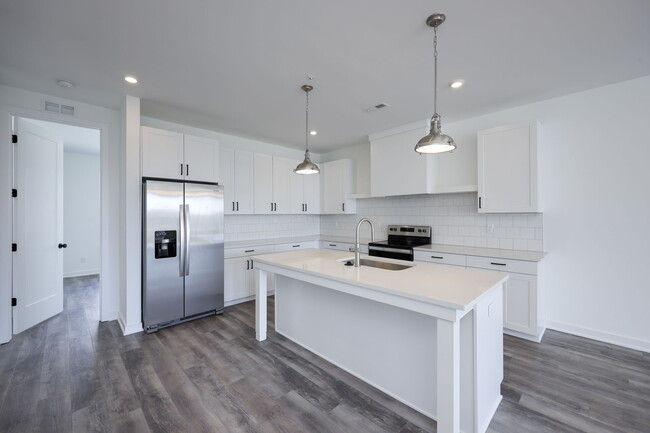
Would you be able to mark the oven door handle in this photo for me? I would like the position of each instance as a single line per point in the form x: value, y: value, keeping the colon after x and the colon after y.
x: 391, y: 250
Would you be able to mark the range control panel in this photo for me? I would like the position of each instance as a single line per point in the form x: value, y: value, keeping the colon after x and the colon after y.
x: 423, y: 231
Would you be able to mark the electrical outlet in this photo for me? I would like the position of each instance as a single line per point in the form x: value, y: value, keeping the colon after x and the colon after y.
x: 489, y: 228
x: 83, y: 260
x: 489, y: 309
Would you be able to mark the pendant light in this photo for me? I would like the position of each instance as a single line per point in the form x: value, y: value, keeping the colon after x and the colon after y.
x: 435, y: 141
x: 307, y: 167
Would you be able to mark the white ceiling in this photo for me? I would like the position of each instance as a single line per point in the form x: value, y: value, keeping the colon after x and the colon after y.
x: 237, y: 66
x: 75, y: 138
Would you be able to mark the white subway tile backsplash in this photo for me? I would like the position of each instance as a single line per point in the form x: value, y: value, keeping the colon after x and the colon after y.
x: 453, y: 218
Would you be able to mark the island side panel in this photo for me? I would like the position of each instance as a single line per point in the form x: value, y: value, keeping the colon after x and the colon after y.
x: 489, y: 356
x: 448, y: 372
x: 391, y: 348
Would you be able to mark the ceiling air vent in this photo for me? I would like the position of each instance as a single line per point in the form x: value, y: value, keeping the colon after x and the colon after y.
x: 376, y: 107
x: 58, y: 108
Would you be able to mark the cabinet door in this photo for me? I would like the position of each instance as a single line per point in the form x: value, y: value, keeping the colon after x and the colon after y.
x: 296, y: 190
x: 201, y: 159
x: 338, y: 182
x: 507, y: 169
x: 311, y: 197
x: 227, y: 175
x: 263, y: 183
x: 244, y: 187
x: 520, y: 303
x: 236, y: 276
x: 162, y: 153
x: 333, y: 200
x: 282, y: 170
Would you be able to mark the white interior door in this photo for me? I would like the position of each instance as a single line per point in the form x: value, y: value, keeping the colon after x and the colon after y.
x: 38, y: 226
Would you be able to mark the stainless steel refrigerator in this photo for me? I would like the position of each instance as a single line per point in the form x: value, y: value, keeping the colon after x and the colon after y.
x: 182, y: 264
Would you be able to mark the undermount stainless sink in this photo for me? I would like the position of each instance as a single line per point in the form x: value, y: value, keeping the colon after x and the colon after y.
x: 382, y: 265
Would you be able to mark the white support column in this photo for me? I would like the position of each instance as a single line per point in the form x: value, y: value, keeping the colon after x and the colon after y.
x: 448, y: 376
x: 260, y: 306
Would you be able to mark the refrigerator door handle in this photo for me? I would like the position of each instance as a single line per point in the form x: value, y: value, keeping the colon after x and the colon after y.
x: 181, y: 241
x: 187, y: 239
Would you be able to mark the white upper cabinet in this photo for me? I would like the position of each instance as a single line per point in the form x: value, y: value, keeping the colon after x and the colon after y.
x: 201, y: 157
x: 311, y: 194
x: 236, y: 168
x: 172, y: 155
x: 338, y: 183
x: 304, y: 191
x: 263, y: 169
x: 162, y: 154
x: 272, y: 184
x: 507, y: 169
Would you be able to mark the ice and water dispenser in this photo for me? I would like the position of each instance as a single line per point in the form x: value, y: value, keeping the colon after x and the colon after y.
x: 165, y: 244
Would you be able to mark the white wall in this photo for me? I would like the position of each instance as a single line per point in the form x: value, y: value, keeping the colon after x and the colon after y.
x: 594, y: 154
x: 130, y: 234
x: 81, y: 216
x: 28, y: 104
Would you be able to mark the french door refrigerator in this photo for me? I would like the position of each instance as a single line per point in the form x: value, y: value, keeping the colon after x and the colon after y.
x: 182, y: 263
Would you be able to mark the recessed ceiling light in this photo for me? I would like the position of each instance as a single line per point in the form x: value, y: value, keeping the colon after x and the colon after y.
x: 313, y: 132
x: 456, y: 84
x: 130, y: 79
x: 65, y: 84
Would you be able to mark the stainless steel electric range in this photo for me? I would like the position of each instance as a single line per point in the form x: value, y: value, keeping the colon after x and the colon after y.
x: 401, y: 241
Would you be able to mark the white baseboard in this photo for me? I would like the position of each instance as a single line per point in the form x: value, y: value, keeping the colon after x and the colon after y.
x: 536, y: 338
x: 80, y: 273
x: 129, y: 329
x: 605, y: 337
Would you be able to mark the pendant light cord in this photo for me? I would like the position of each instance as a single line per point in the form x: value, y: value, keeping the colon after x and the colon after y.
x: 435, y: 70
x: 307, y: 124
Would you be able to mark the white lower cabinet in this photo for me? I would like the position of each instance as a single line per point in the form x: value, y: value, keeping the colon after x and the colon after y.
x: 240, y: 276
x: 236, y: 279
x: 521, y: 303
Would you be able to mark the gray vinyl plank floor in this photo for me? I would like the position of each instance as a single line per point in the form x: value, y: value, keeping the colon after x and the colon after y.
x: 74, y: 374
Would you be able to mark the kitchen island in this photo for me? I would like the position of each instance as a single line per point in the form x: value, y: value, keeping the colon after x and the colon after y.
x: 428, y: 335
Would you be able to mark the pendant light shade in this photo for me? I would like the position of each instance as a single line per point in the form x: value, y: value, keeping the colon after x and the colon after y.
x: 307, y: 167
x: 435, y: 141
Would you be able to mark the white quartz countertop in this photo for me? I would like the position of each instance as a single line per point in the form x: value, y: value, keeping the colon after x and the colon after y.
x: 446, y: 286
x: 289, y: 240
x: 529, y: 256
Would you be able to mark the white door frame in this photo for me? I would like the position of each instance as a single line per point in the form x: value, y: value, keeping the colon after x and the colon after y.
x: 103, y: 182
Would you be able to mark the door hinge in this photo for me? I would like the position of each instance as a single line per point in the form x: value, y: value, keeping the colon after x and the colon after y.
x: 14, y: 193
x: 14, y: 138
x: 14, y: 247
x: 14, y: 302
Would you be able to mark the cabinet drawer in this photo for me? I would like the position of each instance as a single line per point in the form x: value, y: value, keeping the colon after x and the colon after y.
x: 248, y: 251
x: 441, y: 258
x: 502, y: 265
x: 296, y: 246
x: 342, y: 246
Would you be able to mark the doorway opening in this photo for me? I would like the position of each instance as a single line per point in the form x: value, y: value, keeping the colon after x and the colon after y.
x: 57, y: 222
